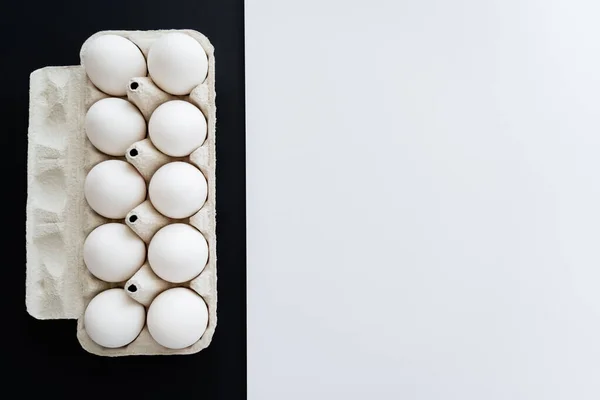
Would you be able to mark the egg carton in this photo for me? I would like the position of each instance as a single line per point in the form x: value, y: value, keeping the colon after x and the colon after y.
x: 58, y: 284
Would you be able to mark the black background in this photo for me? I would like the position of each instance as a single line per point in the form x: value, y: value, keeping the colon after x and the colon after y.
x: 45, y: 355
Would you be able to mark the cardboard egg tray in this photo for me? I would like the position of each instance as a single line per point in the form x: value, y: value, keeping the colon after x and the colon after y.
x: 58, y: 284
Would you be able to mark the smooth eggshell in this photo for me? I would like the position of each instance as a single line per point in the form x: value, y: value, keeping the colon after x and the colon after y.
x: 178, y: 253
x: 177, y: 63
x: 110, y: 61
x: 177, y: 318
x: 113, y: 252
x: 114, y: 124
x: 178, y: 190
x: 113, y: 188
x: 177, y: 128
x: 113, y: 319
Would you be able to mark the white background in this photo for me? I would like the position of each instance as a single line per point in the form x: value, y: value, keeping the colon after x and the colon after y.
x: 423, y: 199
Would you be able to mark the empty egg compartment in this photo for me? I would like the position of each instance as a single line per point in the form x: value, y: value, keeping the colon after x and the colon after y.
x: 144, y: 286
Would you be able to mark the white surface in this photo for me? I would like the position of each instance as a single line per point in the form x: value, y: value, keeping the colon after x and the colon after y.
x: 423, y: 191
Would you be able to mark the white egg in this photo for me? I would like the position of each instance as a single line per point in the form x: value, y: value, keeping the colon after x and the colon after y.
x: 177, y: 128
x: 177, y: 63
x: 113, y: 319
x: 114, y: 124
x: 113, y: 252
x: 177, y: 318
x: 178, y: 253
x: 110, y: 61
x: 178, y: 190
x: 113, y: 188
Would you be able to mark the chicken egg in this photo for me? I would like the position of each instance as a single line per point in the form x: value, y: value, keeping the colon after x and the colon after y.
x: 177, y: 318
x: 113, y: 252
x: 177, y: 253
x: 177, y: 63
x: 110, y: 61
x: 177, y: 128
x: 114, y: 124
x: 113, y: 319
x: 178, y: 190
x: 113, y: 188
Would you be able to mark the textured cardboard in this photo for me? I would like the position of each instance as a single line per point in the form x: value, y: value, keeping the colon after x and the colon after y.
x: 58, y: 284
